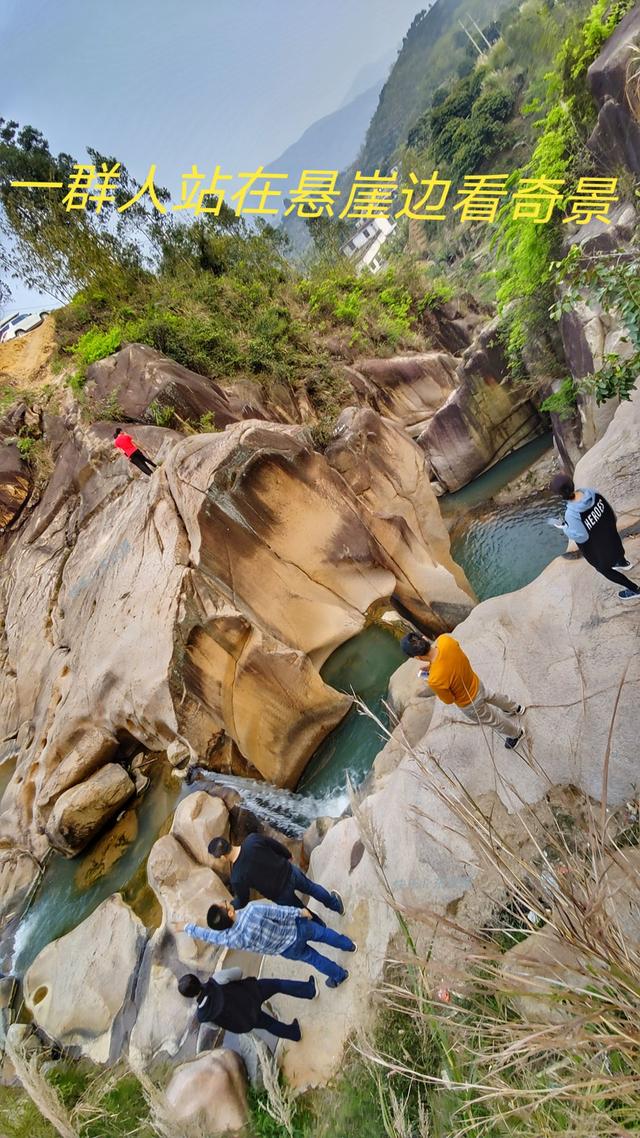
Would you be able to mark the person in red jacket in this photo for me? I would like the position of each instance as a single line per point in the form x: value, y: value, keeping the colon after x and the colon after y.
x: 125, y: 443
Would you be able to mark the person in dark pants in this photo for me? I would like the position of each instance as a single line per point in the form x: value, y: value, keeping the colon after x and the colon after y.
x: 122, y: 441
x: 273, y: 930
x: 263, y: 864
x: 591, y: 523
x: 236, y: 1004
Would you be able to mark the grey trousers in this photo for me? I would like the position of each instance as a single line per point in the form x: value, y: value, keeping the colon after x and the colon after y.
x: 487, y: 708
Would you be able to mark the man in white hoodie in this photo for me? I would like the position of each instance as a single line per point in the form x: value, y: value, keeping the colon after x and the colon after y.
x: 591, y: 523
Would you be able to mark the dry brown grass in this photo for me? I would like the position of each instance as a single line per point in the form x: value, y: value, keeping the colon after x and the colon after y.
x: 553, y: 1045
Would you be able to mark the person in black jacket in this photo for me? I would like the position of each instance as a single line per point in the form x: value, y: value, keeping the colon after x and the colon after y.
x: 265, y: 865
x: 236, y: 1004
x: 591, y: 522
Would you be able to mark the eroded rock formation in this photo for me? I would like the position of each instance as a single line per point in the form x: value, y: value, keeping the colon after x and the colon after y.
x: 196, y: 606
x: 463, y: 410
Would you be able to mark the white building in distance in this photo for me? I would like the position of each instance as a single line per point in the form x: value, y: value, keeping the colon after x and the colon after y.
x: 366, y: 242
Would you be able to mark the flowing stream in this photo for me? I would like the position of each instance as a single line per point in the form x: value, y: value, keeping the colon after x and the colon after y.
x: 500, y: 549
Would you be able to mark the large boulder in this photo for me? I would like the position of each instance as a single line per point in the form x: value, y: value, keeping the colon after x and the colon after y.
x: 84, y: 809
x: 185, y: 890
x: 590, y: 333
x: 210, y: 1090
x: 376, y: 459
x: 137, y: 377
x: 406, y: 389
x: 612, y: 464
x: 79, y: 987
x: 92, y: 750
x: 484, y: 419
x: 451, y: 324
x: 613, y: 82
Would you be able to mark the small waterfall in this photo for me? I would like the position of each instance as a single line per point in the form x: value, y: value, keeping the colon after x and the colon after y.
x: 285, y: 810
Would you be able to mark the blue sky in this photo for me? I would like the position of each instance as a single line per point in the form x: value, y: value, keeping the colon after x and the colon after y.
x: 204, y: 81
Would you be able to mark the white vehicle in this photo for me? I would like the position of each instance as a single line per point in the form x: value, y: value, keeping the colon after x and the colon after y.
x: 17, y: 323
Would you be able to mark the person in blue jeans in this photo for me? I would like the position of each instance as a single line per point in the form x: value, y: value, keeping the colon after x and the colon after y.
x: 273, y: 930
x: 235, y: 1003
x: 263, y: 864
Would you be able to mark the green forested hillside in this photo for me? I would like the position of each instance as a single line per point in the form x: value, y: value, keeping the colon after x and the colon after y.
x: 434, y: 50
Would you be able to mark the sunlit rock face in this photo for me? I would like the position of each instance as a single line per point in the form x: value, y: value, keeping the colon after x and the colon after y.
x: 199, y: 605
x: 484, y: 419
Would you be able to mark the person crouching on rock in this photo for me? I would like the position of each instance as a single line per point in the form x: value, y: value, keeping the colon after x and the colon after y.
x: 263, y: 864
x: 589, y: 520
x: 125, y: 443
x: 273, y: 930
x: 236, y: 1004
x: 453, y: 680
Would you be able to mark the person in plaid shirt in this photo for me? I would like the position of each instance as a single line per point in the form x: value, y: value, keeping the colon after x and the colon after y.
x: 273, y: 930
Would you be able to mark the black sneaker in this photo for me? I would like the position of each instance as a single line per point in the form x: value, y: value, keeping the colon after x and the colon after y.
x: 513, y: 742
x: 316, y: 992
x: 340, y: 903
x: 629, y: 595
x: 626, y: 564
x: 331, y: 983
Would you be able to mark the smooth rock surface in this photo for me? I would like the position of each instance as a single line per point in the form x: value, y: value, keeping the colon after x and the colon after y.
x: 164, y: 1025
x: 213, y: 603
x: 185, y: 890
x: 406, y: 389
x: 77, y: 988
x: 84, y: 809
x: 389, y: 475
x: 212, y: 1089
x: 565, y: 646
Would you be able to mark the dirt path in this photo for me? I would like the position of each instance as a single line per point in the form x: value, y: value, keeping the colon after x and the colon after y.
x: 24, y: 363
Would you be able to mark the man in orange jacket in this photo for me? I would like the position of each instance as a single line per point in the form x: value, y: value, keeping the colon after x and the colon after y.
x: 453, y: 680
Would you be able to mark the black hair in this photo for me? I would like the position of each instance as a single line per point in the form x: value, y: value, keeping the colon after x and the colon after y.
x: 219, y: 847
x: 189, y: 986
x: 218, y: 918
x: 118, y: 431
x: 413, y: 644
x: 563, y: 485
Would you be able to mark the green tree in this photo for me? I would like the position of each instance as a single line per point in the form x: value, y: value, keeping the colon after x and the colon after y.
x: 57, y: 250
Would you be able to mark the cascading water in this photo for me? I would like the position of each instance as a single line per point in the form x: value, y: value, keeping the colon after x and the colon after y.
x: 285, y: 810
